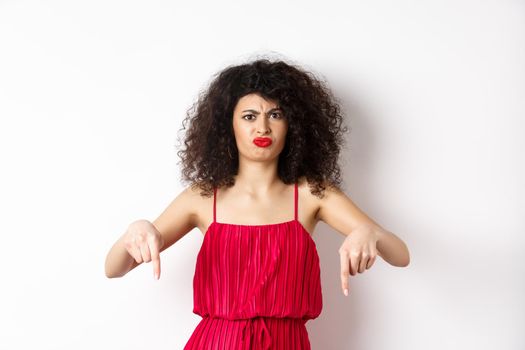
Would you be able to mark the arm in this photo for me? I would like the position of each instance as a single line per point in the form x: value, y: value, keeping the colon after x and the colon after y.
x: 172, y: 224
x: 338, y: 211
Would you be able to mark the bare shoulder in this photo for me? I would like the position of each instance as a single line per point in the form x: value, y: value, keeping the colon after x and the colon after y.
x: 309, y: 205
x: 340, y: 212
x: 202, y: 207
x: 312, y: 200
x: 179, y: 217
x: 331, y: 195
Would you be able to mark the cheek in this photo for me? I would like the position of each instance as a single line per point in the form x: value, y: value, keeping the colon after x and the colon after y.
x: 242, y: 134
x: 283, y: 134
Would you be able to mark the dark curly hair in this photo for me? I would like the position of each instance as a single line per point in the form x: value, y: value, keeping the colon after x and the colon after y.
x: 210, y: 158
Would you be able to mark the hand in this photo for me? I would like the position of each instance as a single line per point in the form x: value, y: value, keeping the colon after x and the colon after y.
x: 143, y: 242
x: 358, y: 252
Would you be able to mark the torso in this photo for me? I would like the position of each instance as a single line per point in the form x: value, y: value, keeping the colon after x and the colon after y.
x: 234, y: 208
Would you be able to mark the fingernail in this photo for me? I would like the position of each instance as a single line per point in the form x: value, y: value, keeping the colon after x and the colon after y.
x: 346, y: 292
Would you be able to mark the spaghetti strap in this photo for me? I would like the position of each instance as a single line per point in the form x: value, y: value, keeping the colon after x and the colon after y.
x: 295, y: 201
x: 257, y: 265
x: 214, y: 196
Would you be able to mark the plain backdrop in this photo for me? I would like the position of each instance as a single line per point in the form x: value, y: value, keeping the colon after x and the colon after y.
x: 93, y: 93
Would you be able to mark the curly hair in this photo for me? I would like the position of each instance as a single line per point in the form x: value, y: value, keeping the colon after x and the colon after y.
x: 210, y: 158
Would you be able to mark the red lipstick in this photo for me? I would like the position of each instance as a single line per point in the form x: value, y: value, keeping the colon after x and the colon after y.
x: 262, y: 141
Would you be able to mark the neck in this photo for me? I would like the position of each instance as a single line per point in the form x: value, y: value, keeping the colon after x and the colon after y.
x: 257, y: 177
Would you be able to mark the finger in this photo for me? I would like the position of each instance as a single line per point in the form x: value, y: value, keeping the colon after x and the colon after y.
x: 343, y: 257
x: 144, y: 250
x: 134, y: 251
x: 354, y: 262
x: 155, y: 257
x: 371, y: 260
x: 364, y: 260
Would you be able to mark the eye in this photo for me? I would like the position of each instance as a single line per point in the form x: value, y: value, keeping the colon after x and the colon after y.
x: 279, y: 114
x: 247, y: 115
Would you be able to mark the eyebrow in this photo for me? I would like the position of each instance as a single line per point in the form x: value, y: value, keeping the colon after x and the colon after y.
x: 256, y: 112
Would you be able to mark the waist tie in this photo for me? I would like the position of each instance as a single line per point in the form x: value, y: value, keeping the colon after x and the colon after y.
x: 248, y: 325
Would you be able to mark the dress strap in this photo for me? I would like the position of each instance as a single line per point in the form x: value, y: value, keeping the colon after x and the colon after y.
x: 214, y: 200
x: 295, y: 201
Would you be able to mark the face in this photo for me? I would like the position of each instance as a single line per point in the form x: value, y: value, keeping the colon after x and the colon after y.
x: 260, y: 128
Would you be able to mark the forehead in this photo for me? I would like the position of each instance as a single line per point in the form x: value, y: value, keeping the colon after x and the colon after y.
x: 255, y: 101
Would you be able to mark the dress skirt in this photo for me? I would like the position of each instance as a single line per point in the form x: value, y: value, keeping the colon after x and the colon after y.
x: 257, y: 333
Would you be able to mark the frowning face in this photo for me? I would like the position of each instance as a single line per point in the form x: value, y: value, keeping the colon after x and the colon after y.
x: 260, y: 128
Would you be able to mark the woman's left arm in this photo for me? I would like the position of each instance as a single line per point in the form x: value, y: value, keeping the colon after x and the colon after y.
x: 365, y: 239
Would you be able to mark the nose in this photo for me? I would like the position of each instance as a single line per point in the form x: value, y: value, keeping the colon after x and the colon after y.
x: 262, y: 127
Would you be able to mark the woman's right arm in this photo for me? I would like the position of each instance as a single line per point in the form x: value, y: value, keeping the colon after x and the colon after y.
x: 143, y: 240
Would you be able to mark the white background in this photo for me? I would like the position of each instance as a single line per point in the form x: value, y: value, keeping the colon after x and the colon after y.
x: 92, y: 95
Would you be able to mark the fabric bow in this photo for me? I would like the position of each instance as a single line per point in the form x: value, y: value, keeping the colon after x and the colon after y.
x: 249, y: 324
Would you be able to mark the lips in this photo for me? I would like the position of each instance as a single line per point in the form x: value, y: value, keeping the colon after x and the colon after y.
x: 262, y: 141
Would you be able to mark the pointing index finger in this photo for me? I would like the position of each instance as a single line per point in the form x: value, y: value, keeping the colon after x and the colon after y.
x: 343, y: 256
x: 155, y: 258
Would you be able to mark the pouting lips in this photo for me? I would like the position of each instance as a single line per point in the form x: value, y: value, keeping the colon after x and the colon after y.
x: 262, y: 141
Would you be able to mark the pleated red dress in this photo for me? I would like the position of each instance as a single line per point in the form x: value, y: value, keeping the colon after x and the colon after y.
x: 255, y: 286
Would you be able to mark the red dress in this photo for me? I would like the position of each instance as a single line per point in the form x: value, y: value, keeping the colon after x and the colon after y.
x: 255, y: 286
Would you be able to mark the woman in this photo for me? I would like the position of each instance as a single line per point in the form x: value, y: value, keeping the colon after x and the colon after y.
x: 261, y: 149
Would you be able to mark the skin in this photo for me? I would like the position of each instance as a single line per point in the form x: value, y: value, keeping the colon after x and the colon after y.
x: 260, y: 197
